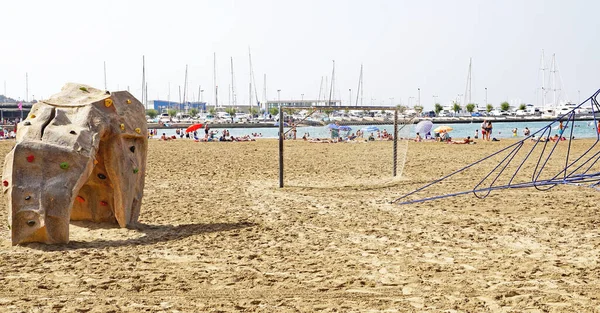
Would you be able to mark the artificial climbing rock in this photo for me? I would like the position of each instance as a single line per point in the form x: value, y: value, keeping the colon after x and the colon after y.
x: 77, y: 136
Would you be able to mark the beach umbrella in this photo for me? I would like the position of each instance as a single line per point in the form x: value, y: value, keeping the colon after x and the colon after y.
x: 333, y: 126
x: 370, y: 129
x: 423, y: 127
x: 345, y: 128
x: 442, y: 128
x: 193, y: 128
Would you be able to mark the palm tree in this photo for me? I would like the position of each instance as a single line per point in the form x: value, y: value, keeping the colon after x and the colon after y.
x: 193, y: 112
x: 172, y: 112
x: 212, y: 111
x: 489, y: 107
x: 273, y: 111
x: 418, y: 109
x: 523, y: 106
x: 504, y: 106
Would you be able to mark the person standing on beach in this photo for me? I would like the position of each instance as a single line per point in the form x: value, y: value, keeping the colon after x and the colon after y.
x: 476, y: 134
x: 483, y: 128
x: 206, y: 131
x: 488, y: 130
x: 526, y: 131
x: 294, y: 131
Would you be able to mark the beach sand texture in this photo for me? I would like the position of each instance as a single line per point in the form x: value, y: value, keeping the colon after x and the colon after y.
x: 217, y: 235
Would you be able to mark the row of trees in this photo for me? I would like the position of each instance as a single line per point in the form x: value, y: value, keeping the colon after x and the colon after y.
x: 193, y: 112
x: 505, y: 106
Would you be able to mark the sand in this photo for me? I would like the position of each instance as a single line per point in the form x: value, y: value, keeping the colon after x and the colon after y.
x: 217, y: 235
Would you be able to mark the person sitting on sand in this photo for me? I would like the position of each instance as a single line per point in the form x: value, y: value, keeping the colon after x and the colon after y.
x: 371, y: 137
x: 164, y: 137
x: 418, y: 138
x: 444, y: 136
x: 554, y: 138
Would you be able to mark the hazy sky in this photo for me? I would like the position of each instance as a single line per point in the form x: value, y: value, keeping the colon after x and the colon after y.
x: 404, y: 45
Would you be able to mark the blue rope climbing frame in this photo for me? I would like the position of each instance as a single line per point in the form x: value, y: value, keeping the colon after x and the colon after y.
x: 576, y: 170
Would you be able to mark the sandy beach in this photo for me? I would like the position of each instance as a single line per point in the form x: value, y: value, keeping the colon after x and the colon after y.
x: 217, y: 235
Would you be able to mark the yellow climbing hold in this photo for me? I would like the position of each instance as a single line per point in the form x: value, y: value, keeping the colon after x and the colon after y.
x: 128, y: 101
x: 32, y: 116
x: 95, y: 162
x: 122, y: 126
x: 108, y: 102
x: 137, y: 130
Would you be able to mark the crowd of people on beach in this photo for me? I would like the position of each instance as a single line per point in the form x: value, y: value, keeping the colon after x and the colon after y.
x: 209, y: 135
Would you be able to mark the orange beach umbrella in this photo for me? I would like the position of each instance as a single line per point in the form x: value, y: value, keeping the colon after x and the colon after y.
x: 193, y: 128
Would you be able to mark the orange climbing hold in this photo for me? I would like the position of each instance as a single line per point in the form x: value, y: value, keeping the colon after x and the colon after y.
x: 80, y: 199
x: 108, y: 102
x: 32, y: 116
x: 128, y: 101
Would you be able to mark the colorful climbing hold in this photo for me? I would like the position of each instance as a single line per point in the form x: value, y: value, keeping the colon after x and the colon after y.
x: 83, y: 89
x: 101, y: 176
x: 5, y: 183
x: 128, y: 101
x: 103, y: 203
x: 72, y: 132
x: 28, y: 198
x: 108, y: 102
x: 135, y: 170
x: 132, y: 149
x: 27, y: 123
x: 80, y: 199
x: 138, y: 130
x: 32, y: 116
x: 122, y: 126
x: 95, y: 162
x: 30, y: 158
x: 64, y: 165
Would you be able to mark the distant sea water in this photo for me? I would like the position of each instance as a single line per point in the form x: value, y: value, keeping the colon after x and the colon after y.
x: 581, y: 129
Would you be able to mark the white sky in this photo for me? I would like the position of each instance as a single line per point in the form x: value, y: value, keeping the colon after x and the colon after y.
x: 404, y: 45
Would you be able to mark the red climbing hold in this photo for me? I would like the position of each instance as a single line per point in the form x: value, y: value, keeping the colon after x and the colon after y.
x: 30, y: 158
x: 103, y: 203
x: 5, y: 183
x: 80, y: 199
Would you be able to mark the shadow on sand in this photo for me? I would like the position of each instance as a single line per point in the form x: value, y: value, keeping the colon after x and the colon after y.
x: 152, y: 234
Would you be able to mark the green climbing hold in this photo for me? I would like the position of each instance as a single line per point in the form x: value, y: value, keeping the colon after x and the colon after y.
x: 83, y: 89
x: 135, y: 170
x: 64, y: 165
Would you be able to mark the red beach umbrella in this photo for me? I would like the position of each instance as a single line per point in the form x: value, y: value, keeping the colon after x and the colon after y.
x: 193, y: 128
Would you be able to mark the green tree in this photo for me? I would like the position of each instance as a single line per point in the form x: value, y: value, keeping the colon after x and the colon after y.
x: 504, y: 106
x: 328, y: 112
x: 212, y: 111
x: 438, y: 108
x: 382, y: 112
x: 523, y: 106
x: 230, y: 111
x: 489, y: 107
x: 418, y: 109
x: 456, y: 107
x: 253, y: 111
x: 273, y: 111
x: 401, y: 108
x: 347, y: 111
x: 172, y: 112
x: 470, y: 107
x: 193, y: 112
x: 152, y: 113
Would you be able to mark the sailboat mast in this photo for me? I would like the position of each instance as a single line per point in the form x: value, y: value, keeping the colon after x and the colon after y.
x: 359, y: 89
x: 543, y: 69
x: 26, y: 88
x: 331, y: 90
x: 215, y: 79
x: 320, y: 90
x: 185, y: 82
x: 250, y: 80
x: 468, y: 87
x: 553, y: 73
x: 265, y: 93
x: 232, y: 85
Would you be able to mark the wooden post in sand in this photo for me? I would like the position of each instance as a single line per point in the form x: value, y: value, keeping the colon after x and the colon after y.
x: 281, y: 138
x: 395, y: 153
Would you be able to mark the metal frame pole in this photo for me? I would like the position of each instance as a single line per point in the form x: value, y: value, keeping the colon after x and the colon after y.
x: 395, y: 152
x: 281, y: 138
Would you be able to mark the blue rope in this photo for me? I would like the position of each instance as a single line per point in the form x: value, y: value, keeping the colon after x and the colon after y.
x: 540, y: 166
